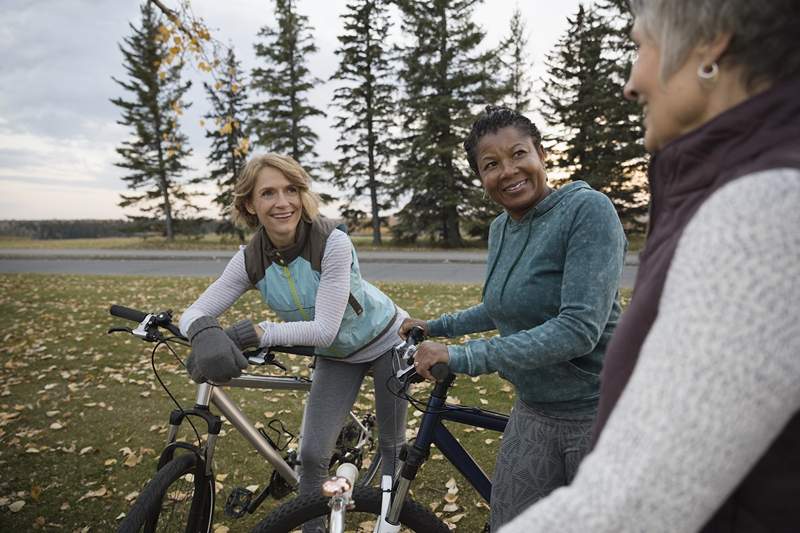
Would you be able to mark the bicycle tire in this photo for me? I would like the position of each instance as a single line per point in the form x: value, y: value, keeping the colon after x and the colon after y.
x: 293, y: 514
x: 171, y: 482
x: 374, y: 468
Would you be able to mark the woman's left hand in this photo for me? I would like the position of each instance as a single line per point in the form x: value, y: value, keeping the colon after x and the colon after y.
x: 428, y: 354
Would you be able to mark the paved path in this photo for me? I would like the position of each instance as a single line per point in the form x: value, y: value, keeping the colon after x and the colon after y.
x: 427, y: 266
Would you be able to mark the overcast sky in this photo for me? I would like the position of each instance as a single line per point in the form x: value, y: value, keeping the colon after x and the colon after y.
x: 58, y: 128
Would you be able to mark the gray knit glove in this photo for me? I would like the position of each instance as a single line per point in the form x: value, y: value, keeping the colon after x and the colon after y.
x: 243, y: 333
x: 215, y: 357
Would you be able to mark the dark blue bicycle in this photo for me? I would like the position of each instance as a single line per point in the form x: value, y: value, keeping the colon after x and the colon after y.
x: 393, y: 509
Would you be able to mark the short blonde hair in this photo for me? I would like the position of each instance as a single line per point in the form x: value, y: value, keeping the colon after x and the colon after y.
x: 287, y: 166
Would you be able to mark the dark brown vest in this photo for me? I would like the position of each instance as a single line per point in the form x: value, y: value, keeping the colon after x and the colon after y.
x: 759, y: 134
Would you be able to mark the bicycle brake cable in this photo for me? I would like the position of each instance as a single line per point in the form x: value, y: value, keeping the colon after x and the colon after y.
x: 165, y: 342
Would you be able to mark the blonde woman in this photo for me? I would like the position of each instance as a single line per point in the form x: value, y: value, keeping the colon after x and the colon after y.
x: 307, y: 272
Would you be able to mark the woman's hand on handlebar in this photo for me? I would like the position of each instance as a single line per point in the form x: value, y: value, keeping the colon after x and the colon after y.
x: 428, y: 354
x: 409, y: 323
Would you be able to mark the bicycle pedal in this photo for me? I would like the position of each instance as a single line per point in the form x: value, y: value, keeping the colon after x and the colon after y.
x: 237, y: 503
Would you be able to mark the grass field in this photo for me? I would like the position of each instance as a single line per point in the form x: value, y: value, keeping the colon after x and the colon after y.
x: 82, y: 418
x: 216, y: 242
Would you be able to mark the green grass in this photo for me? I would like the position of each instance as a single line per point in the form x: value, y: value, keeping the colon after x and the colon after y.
x: 217, y: 242
x: 82, y: 417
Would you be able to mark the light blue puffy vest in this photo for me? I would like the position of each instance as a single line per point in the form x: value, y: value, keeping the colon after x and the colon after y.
x: 288, y: 280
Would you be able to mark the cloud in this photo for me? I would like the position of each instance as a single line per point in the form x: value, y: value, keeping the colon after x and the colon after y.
x: 58, y: 129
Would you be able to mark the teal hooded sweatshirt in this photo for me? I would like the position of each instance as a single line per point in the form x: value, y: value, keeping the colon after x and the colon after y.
x: 552, y: 293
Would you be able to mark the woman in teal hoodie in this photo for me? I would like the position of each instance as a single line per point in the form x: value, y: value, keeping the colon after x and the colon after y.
x: 551, y: 291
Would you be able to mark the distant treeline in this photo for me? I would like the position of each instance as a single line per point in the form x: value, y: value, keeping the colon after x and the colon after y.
x: 94, y: 229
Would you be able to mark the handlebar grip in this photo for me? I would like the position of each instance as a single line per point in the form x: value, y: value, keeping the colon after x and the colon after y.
x: 440, y: 371
x: 127, y: 313
x: 416, y: 335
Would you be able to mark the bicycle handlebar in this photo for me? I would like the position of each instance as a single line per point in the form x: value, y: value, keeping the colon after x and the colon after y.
x: 440, y: 371
x: 164, y: 320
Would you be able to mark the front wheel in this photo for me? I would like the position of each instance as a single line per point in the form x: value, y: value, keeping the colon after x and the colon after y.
x: 293, y: 514
x: 180, y: 497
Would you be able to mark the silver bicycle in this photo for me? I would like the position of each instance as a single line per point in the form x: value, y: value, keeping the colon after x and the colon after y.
x: 181, y: 495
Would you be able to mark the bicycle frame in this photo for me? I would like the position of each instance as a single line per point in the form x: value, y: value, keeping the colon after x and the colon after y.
x: 433, y: 431
x: 208, y: 392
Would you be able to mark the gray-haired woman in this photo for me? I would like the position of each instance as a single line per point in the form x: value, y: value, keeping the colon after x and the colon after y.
x: 699, y: 420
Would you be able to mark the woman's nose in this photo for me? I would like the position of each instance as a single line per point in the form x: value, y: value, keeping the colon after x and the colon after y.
x: 280, y: 198
x: 629, y: 92
x: 507, y: 169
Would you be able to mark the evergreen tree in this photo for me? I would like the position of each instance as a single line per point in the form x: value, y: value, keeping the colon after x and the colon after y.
x: 280, y: 120
x: 445, y: 79
x: 229, y: 135
x: 366, y: 101
x: 628, y: 182
x: 597, y: 136
x: 156, y: 150
x: 515, y: 64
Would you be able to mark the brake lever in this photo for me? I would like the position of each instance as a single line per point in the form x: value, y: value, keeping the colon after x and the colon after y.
x: 119, y: 330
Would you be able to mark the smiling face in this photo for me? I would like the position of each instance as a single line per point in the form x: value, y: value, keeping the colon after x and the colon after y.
x: 277, y: 204
x: 512, y: 170
x: 673, y: 106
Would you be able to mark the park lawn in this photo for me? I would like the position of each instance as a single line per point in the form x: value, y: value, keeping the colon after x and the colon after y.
x: 82, y: 417
x: 222, y: 242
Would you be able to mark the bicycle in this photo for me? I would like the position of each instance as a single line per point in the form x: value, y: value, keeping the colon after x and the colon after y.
x: 394, y: 508
x: 181, y: 494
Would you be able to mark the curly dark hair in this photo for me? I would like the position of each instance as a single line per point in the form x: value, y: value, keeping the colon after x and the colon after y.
x: 492, y: 119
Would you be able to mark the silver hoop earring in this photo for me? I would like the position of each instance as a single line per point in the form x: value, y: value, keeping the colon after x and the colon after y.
x: 708, y: 72
x: 484, y: 194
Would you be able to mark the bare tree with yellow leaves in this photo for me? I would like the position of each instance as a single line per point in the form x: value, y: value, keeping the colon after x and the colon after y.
x: 227, y: 128
x: 156, y: 149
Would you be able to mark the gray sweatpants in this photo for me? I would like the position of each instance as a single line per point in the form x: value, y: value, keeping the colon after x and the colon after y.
x: 538, y: 454
x: 335, y: 388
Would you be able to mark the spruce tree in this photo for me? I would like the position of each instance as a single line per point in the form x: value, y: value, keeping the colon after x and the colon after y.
x: 597, y: 131
x: 515, y: 64
x: 366, y: 103
x: 227, y: 128
x: 280, y: 117
x: 155, y: 152
x: 445, y: 81
x: 627, y: 181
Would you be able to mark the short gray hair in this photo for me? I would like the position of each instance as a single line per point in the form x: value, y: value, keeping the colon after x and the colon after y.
x: 764, y: 33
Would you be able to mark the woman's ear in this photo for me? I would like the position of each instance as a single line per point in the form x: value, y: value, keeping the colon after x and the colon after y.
x: 714, y: 50
x: 542, y: 154
x: 248, y: 205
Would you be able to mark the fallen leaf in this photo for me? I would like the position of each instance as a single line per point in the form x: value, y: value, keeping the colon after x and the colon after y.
x: 99, y: 493
x: 16, y: 506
